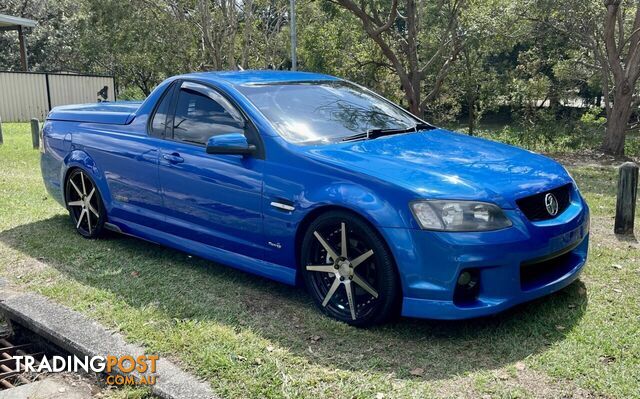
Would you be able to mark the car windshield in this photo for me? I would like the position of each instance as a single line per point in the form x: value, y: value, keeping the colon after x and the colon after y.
x: 325, y: 111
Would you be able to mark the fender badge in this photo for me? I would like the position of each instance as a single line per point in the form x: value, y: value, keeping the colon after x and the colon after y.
x: 284, y: 207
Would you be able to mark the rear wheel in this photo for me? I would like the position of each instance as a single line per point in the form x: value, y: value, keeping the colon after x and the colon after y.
x: 84, y: 204
x: 348, y: 270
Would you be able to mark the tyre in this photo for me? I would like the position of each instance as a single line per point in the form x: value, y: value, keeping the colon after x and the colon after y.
x: 84, y: 204
x: 348, y: 270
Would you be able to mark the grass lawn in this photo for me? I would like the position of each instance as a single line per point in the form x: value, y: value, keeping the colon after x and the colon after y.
x: 250, y: 337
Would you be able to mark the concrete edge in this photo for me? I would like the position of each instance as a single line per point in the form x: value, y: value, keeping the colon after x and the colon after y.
x: 82, y: 336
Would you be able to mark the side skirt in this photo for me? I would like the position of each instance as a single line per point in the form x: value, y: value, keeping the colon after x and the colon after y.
x: 112, y: 227
x: 269, y: 270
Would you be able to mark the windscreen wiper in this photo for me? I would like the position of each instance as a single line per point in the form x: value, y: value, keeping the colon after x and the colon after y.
x: 375, y: 133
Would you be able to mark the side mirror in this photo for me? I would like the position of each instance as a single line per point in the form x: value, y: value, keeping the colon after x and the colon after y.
x: 230, y: 144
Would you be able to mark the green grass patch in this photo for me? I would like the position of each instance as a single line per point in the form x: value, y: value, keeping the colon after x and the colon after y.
x: 250, y: 337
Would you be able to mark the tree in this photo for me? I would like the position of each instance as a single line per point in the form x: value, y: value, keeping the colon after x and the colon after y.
x: 623, y: 61
x: 328, y: 43
x: 51, y: 44
x: 478, y: 79
x: 138, y: 42
x: 420, y: 40
x: 217, y: 23
x: 608, y: 32
x: 269, y: 47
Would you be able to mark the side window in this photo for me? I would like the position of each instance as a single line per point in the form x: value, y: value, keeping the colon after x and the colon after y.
x: 159, y: 122
x: 201, y: 113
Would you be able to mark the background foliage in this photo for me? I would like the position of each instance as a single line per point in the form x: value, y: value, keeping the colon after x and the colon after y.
x: 523, y: 71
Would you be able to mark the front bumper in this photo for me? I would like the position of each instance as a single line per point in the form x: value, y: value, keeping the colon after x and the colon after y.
x: 514, y: 265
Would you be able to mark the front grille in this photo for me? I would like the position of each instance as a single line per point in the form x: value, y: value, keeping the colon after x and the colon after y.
x: 535, y: 209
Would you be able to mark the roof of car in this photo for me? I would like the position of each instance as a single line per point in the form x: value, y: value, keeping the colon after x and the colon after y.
x: 257, y: 77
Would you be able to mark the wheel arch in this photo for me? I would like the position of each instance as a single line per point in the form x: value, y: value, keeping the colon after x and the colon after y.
x: 78, y: 159
x: 65, y: 177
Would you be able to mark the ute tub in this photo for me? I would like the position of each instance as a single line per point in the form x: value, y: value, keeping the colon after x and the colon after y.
x: 114, y: 113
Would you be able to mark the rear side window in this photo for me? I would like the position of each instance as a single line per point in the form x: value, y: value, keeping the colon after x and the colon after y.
x: 201, y: 113
x: 160, y: 118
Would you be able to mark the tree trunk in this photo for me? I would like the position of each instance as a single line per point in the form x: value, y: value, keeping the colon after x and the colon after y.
x: 472, y: 115
x: 402, y: 49
x: 414, y: 107
x: 248, y: 27
x: 617, y: 120
x: 413, y: 98
x: 625, y: 70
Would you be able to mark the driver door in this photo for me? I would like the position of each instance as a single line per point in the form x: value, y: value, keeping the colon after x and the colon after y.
x: 212, y: 199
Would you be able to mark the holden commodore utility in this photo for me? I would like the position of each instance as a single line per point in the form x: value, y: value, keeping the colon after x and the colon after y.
x: 308, y: 178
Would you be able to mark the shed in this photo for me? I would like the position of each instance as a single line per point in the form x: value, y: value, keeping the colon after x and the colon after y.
x: 9, y: 23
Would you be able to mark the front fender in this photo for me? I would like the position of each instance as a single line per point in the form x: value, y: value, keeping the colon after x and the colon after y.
x: 376, y: 209
x: 284, y: 230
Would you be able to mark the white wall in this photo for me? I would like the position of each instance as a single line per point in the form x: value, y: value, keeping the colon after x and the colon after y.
x: 23, y: 95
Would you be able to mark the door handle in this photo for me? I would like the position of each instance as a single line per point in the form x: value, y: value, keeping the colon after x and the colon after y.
x: 173, y: 158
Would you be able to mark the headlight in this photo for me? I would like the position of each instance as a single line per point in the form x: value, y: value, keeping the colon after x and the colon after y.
x: 459, y: 215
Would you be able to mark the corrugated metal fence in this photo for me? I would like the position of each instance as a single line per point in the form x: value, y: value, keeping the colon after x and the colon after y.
x: 26, y: 95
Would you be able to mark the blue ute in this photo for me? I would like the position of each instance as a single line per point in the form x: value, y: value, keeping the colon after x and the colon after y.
x: 307, y: 178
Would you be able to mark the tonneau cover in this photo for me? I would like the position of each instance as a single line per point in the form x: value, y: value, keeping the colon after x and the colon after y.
x: 115, y: 113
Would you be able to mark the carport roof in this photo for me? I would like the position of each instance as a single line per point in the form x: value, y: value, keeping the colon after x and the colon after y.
x: 8, y: 20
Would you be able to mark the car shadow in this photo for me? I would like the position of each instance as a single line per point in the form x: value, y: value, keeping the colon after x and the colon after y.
x: 189, y: 288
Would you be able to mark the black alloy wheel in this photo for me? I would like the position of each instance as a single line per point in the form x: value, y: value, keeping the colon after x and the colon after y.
x: 348, y: 270
x: 84, y: 204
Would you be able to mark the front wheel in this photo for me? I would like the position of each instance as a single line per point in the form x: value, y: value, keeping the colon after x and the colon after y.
x: 348, y: 270
x: 84, y: 204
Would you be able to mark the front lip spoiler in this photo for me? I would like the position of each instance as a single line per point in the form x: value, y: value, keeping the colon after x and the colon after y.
x: 446, y: 310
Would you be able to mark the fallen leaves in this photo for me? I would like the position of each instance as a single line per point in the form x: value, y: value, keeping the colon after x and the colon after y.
x: 607, y: 359
x: 502, y: 375
x: 315, y: 338
x: 417, y: 372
